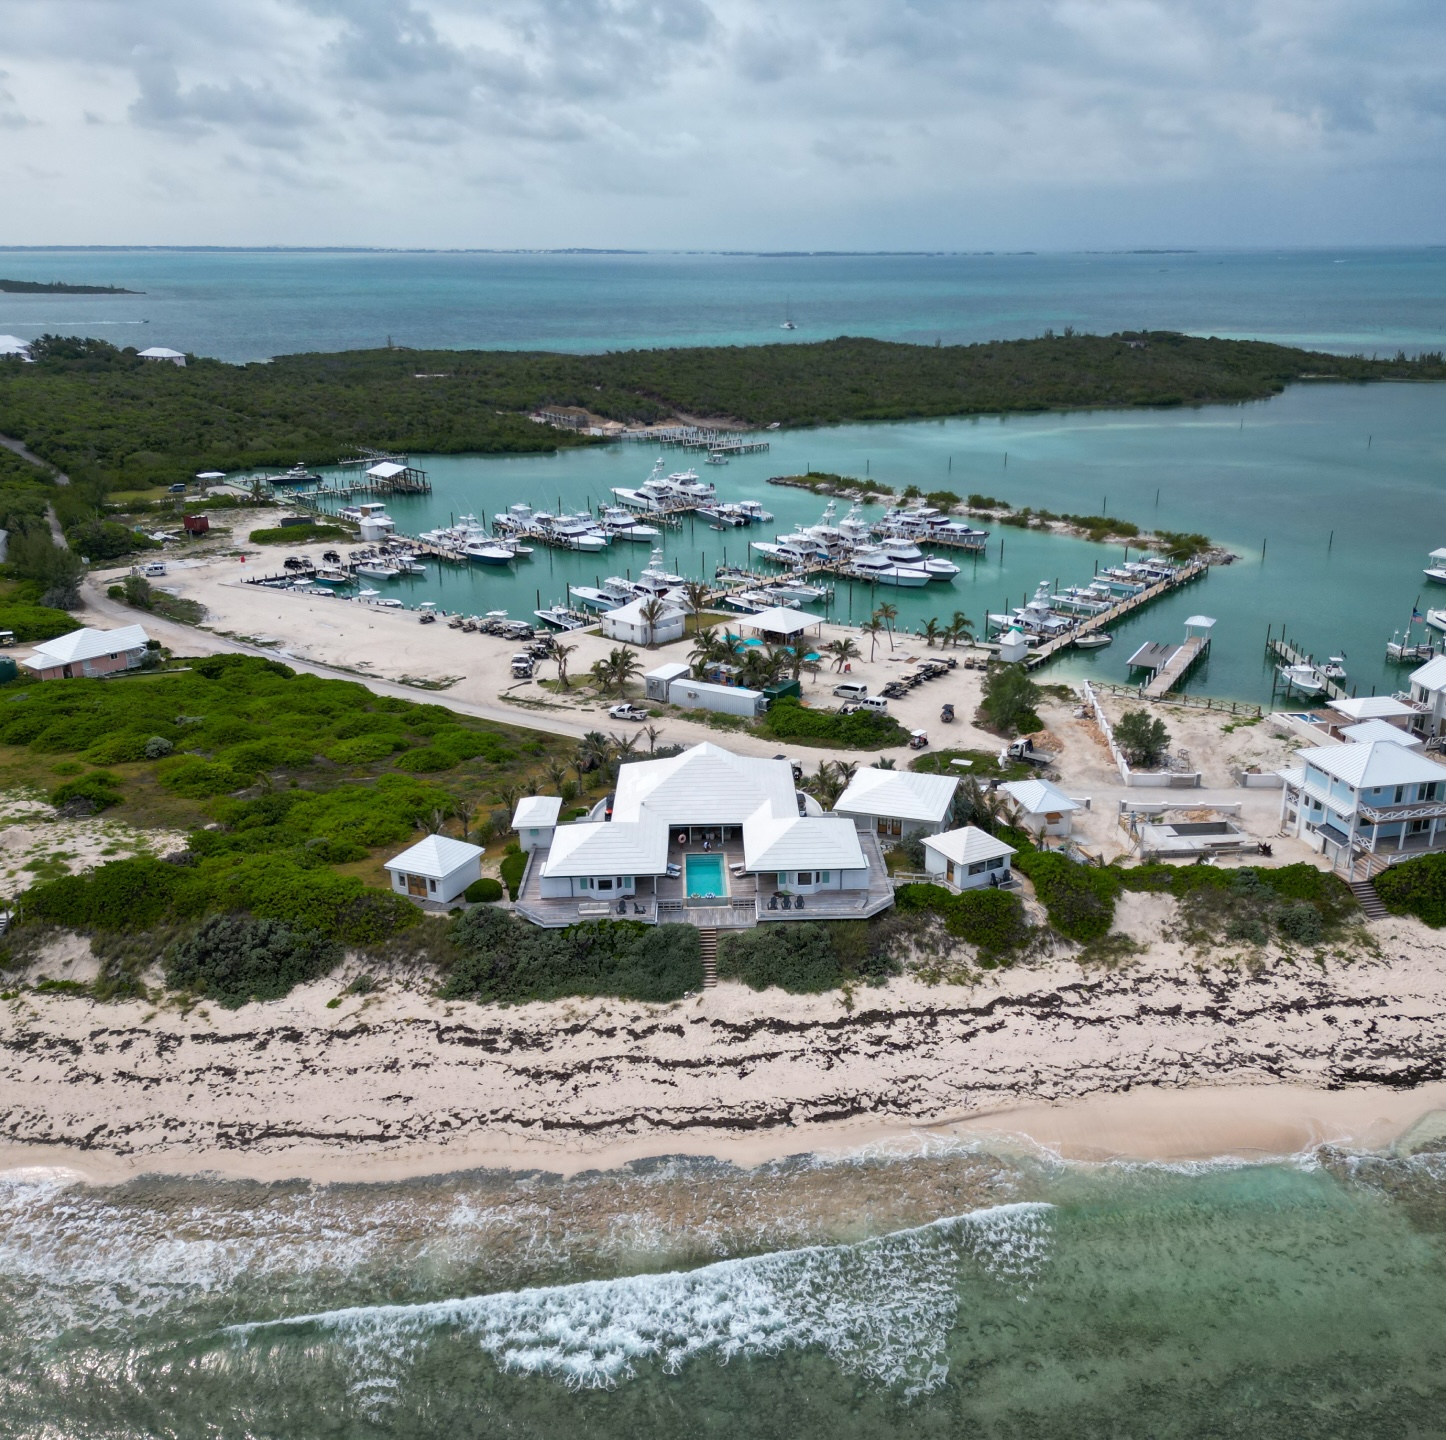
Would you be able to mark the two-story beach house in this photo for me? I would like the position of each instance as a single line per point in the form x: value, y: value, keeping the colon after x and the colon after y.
x: 1427, y: 698
x: 1363, y: 805
x: 707, y: 837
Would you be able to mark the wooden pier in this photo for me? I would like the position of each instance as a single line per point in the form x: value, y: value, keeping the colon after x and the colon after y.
x: 1182, y: 660
x: 1127, y: 605
x: 1285, y: 651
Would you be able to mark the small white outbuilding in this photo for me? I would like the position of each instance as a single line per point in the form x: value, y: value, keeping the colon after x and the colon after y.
x: 437, y: 869
x: 629, y: 624
x: 1040, y: 807
x: 968, y: 858
x: 159, y: 352
x: 535, y: 819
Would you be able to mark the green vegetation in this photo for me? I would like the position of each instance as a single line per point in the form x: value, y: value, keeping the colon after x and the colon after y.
x: 60, y: 287
x: 513, y: 865
x: 101, y: 541
x: 232, y: 959
x: 1142, y: 736
x: 1080, y: 899
x: 33, y: 622
x: 981, y: 763
x: 863, y: 730
x: 502, y: 959
x: 137, y: 591
x: 300, y: 534
x: 1009, y: 700
x: 987, y: 502
x: 1416, y: 887
x: 95, y: 410
x: 483, y: 891
x: 97, y: 791
x: 807, y: 958
x: 992, y: 920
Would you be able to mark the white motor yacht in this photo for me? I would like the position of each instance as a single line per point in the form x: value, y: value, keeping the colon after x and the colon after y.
x: 608, y: 596
x: 331, y: 575
x: 755, y: 512
x: 377, y: 569
x: 574, y: 532
x: 654, y: 580
x: 799, y: 590
x: 876, y: 568
x: 1094, y: 640
x: 793, y: 550
x: 490, y: 552
x: 1305, y: 678
x: 624, y: 525
x: 515, y: 517
x: 1436, y: 566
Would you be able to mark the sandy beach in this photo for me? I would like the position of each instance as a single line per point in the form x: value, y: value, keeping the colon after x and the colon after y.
x: 1165, y: 1059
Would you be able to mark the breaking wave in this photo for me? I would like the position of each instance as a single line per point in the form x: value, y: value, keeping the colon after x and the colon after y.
x: 881, y: 1308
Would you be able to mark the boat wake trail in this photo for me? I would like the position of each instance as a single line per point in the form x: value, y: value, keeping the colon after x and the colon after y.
x: 881, y: 1308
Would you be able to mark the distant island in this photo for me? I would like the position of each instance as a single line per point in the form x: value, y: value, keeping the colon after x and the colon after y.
x: 59, y: 287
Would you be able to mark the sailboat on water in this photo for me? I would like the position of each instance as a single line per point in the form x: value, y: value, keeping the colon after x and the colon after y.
x: 788, y: 315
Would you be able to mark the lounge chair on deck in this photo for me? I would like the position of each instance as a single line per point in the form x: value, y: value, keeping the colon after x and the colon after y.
x: 773, y: 902
x: 798, y: 903
x: 787, y: 903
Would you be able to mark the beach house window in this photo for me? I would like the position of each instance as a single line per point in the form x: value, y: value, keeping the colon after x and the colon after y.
x: 805, y: 877
x: 603, y: 882
x: 887, y: 826
x: 431, y: 884
x: 1429, y: 792
x: 997, y: 863
x: 584, y: 882
x: 1400, y: 794
x: 977, y: 867
x: 824, y: 876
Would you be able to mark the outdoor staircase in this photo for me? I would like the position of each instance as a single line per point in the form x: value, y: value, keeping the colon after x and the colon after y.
x: 708, y: 944
x: 1369, y: 901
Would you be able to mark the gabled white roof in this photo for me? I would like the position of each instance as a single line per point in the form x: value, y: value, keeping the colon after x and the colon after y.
x: 802, y: 842
x: 159, y: 352
x: 13, y: 345
x: 1376, y: 707
x: 780, y: 621
x: 601, y: 847
x: 1364, y: 767
x: 671, y: 671
x: 705, y: 785
x: 1038, y: 797
x: 1382, y: 730
x: 1431, y: 675
x: 536, y: 811
x: 898, y: 794
x: 966, y: 846
x: 632, y: 612
x: 386, y: 469
x: 434, y: 857
x: 87, y: 644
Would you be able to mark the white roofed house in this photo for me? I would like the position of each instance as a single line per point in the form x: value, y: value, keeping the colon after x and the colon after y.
x: 1039, y: 807
x: 898, y: 803
x: 1365, y: 805
x: 710, y: 838
x: 89, y: 653
x: 436, y: 870
x: 636, y: 623
x: 535, y: 819
x: 1427, y: 698
x: 159, y: 352
x: 968, y: 859
x: 12, y: 345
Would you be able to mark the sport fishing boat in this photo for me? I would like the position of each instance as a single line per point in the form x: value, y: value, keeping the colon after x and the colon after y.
x: 903, y: 551
x: 1093, y: 640
x: 607, y: 596
x: 377, y: 569
x: 653, y: 580
x: 572, y: 532
x: 624, y: 525
x: 1436, y: 566
x: 490, y: 552
x: 667, y: 492
x: 559, y: 617
x: 1303, y: 677
x: 297, y: 475
x: 791, y: 588
x: 1334, y: 667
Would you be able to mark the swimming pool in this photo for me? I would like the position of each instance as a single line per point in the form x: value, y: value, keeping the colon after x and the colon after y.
x: 705, y: 875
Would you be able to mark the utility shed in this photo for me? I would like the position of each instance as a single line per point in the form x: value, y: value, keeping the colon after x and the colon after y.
x: 723, y: 699
x: 656, y: 682
x: 437, y: 869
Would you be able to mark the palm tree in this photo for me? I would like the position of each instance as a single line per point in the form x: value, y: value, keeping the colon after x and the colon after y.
x: 556, y: 773
x: 885, y: 762
x: 560, y: 653
x: 842, y: 651
x: 827, y: 785
x: 624, y: 745
x: 623, y: 664
x: 960, y: 627
x: 507, y: 795
x: 695, y: 597
x: 707, y: 647
x: 652, y: 732
x: 651, y: 613
x: 845, y: 770
x: 601, y: 675
x: 592, y: 752
x: 873, y: 627
x: 931, y: 631
x: 888, y: 613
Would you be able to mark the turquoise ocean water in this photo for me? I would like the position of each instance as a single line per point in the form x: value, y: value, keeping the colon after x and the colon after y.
x: 946, y: 1293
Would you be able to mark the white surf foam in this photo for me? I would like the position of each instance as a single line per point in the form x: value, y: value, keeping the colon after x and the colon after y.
x: 882, y: 1309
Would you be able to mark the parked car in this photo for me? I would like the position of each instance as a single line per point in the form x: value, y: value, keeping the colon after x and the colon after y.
x: 627, y: 712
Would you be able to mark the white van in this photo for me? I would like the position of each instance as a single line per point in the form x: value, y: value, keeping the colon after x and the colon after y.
x: 154, y: 567
x: 851, y: 690
x: 876, y: 703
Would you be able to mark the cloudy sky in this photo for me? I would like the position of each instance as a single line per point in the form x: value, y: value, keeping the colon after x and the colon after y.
x: 716, y: 124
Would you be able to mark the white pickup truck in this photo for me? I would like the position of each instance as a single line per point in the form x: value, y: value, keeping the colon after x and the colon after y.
x: 627, y: 712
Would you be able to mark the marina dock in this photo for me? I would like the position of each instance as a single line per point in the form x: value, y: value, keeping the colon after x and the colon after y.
x: 1286, y: 652
x: 1127, y: 605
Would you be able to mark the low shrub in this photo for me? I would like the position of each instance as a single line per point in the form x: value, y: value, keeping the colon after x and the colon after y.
x: 1301, y: 923
x: 362, y: 750
x: 991, y: 920
x: 299, y: 534
x: 806, y: 959
x: 863, y: 730
x: 502, y: 959
x: 123, y: 895
x: 35, y: 622
x: 233, y: 958
x: 483, y: 891
x: 1416, y: 887
x: 512, y: 867
x: 100, y: 789
x: 1080, y: 899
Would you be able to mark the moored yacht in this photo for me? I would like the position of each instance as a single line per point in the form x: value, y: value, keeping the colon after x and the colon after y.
x: 624, y: 525
x: 876, y: 568
x: 608, y: 596
x: 1436, y: 566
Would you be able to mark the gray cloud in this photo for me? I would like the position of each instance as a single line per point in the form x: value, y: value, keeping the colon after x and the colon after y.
x: 847, y: 122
